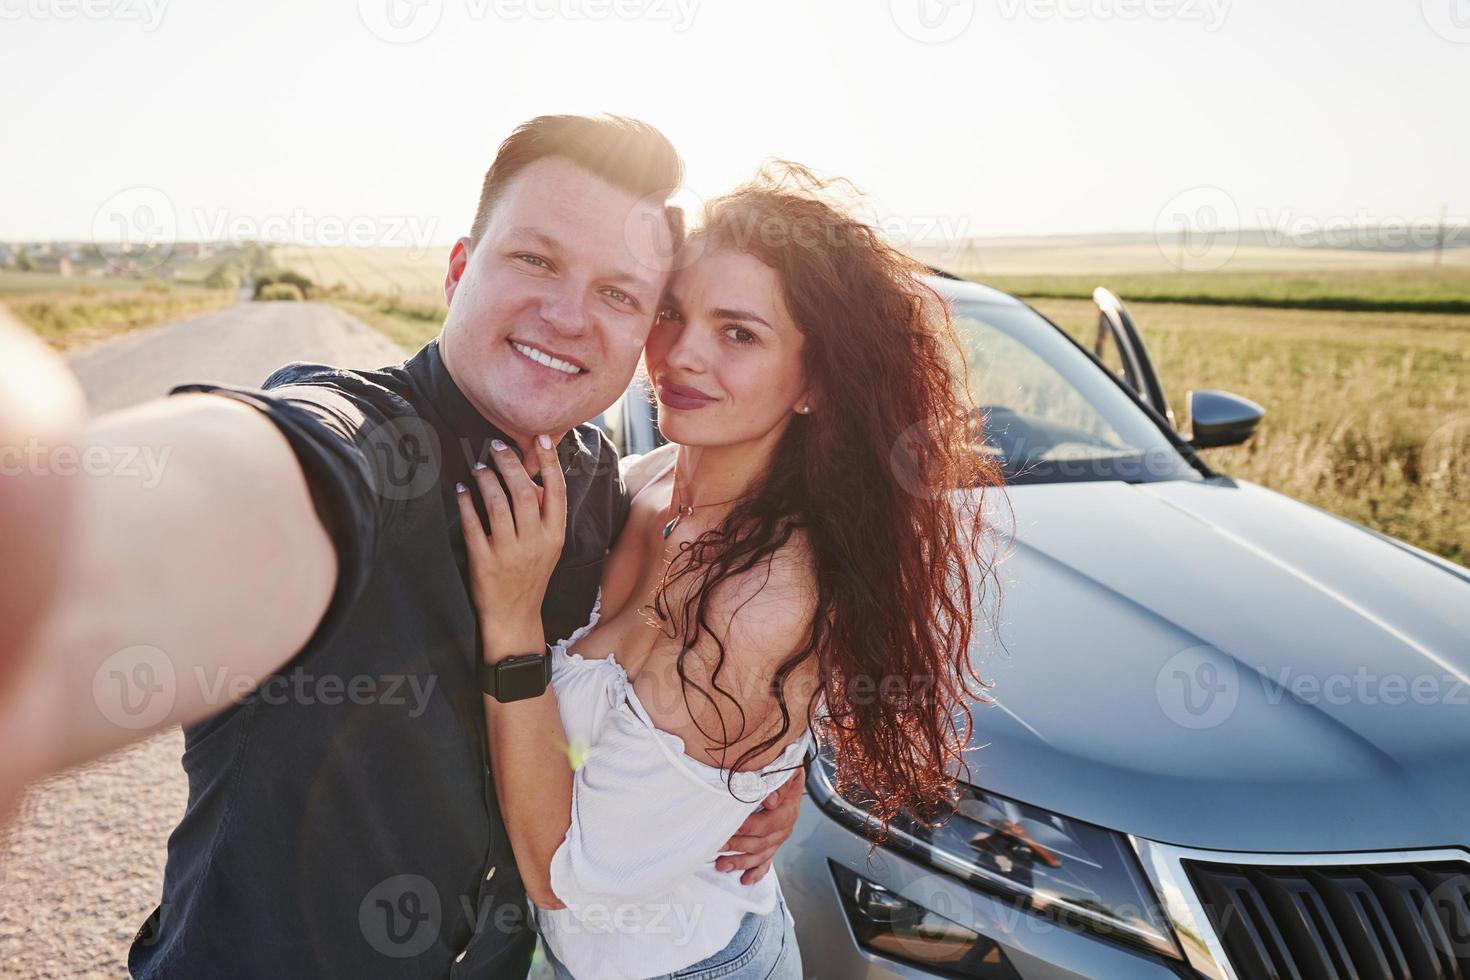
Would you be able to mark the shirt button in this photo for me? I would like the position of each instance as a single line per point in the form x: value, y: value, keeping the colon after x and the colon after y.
x: 461, y: 955
x: 490, y: 874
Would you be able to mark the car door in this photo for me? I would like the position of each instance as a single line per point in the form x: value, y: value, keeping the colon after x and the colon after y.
x: 1121, y: 349
x: 631, y: 424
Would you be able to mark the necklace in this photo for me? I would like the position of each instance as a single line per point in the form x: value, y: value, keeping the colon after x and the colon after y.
x: 682, y: 511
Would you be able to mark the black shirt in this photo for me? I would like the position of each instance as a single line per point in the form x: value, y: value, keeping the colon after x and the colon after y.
x: 342, y: 822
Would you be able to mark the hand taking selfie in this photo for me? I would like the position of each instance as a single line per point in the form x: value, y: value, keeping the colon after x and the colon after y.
x: 41, y: 411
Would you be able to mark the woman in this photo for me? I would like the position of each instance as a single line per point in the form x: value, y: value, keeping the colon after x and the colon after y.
x: 791, y: 565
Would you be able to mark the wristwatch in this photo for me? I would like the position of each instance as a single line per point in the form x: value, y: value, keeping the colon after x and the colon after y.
x: 516, y: 678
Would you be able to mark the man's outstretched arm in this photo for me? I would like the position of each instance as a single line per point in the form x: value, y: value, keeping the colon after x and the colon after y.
x: 180, y: 584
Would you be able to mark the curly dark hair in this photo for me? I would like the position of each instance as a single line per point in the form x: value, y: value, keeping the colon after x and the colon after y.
x: 885, y: 485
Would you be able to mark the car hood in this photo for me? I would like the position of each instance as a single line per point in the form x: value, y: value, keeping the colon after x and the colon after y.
x: 1212, y: 664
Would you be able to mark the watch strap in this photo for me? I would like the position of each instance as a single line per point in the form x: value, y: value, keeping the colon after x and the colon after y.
x: 516, y: 678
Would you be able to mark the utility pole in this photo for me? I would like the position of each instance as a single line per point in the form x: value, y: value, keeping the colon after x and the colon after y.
x: 1444, y: 210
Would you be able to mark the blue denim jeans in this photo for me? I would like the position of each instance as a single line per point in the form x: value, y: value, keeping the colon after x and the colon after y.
x: 764, y: 948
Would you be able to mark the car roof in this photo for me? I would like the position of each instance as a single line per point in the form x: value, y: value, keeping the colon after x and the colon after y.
x: 964, y: 289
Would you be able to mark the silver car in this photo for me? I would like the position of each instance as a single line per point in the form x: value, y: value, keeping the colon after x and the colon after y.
x: 1230, y: 736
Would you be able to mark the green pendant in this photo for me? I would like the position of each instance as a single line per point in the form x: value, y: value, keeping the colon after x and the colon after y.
x: 679, y: 516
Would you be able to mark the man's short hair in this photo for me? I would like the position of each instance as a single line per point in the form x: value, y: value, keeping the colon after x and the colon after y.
x: 627, y: 153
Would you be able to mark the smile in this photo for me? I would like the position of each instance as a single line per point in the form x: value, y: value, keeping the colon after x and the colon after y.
x: 546, y: 360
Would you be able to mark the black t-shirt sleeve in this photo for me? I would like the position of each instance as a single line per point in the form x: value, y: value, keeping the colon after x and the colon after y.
x: 333, y: 425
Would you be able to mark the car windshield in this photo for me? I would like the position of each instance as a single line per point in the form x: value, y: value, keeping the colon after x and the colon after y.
x: 1052, y: 415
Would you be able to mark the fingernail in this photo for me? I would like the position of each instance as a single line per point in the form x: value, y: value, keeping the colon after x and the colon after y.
x: 544, y: 441
x: 478, y: 465
x: 497, y: 445
x: 459, y: 487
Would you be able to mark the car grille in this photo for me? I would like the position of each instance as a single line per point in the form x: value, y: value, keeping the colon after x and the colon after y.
x: 1322, y: 922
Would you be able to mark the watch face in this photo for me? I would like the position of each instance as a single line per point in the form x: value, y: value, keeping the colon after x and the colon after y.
x: 521, y: 677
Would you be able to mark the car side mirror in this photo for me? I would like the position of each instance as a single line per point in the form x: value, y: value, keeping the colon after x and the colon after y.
x: 1222, y: 419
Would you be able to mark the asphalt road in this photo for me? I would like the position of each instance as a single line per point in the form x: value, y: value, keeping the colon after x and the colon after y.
x: 83, y: 864
x: 241, y: 344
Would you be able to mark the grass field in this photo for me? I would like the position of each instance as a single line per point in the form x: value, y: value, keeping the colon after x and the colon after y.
x: 398, y: 291
x: 410, y: 276
x: 15, y: 284
x: 1368, y: 413
x: 1142, y: 255
x: 1251, y: 275
x: 66, y: 320
x: 67, y: 311
x: 1392, y: 290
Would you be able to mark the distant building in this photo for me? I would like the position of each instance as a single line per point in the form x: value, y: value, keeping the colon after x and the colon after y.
x: 60, y: 266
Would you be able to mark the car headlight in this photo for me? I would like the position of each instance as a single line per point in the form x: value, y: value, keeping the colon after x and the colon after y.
x: 1076, y: 873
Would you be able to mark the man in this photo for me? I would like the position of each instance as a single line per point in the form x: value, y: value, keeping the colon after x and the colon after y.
x: 302, y: 557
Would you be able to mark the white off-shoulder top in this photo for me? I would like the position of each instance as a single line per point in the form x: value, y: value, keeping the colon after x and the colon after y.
x: 636, y: 869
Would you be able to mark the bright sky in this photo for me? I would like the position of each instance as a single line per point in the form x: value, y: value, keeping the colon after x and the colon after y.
x: 968, y: 117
